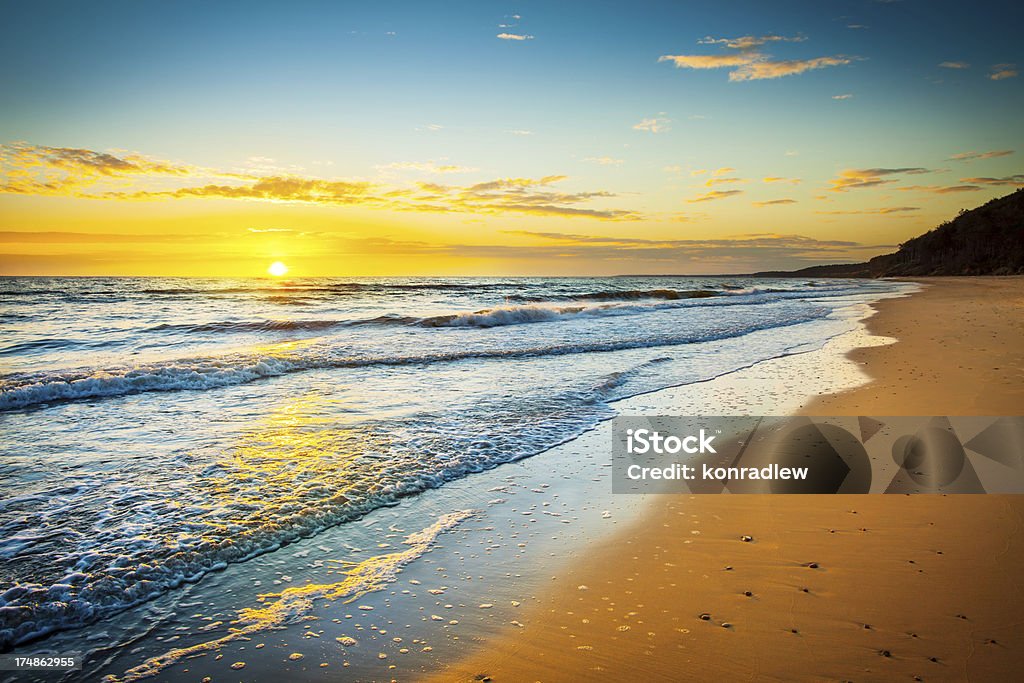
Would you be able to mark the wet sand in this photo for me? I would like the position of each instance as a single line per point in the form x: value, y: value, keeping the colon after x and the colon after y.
x: 828, y: 587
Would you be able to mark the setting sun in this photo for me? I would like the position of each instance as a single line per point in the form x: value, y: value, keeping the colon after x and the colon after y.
x: 277, y: 269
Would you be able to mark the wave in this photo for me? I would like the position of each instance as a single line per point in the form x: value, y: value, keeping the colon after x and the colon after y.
x: 248, y: 326
x: 625, y: 295
x: 202, y: 373
x: 489, y: 317
x: 335, y: 287
x: 523, y: 314
x: 170, y: 544
x: 291, y: 605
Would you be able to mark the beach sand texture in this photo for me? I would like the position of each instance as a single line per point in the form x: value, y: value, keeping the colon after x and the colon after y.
x: 827, y: 587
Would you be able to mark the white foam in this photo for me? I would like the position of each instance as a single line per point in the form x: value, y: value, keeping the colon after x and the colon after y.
x: 288, y: 606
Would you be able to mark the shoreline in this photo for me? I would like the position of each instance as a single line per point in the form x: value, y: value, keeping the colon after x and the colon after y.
x: 432, y: 611
x: 904, y: 586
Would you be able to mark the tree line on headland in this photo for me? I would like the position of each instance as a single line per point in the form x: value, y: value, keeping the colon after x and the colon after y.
x: 987, y: 240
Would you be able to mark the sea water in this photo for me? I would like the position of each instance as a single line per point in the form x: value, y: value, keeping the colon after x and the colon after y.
x: 159, y: 429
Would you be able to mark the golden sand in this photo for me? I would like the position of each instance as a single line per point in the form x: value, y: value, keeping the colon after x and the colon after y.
x: 814, y: 587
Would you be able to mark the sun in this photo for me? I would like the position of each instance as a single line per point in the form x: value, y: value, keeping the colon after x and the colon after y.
x: 277, y: 269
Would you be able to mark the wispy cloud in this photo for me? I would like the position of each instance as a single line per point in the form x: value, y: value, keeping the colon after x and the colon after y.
x: 743, y: 250
x: 1012, y: 180
x: 425, y: 167
x: 1002, y: 71
x: 971, y: 156
x: 604, y: 161
x: 713, y: 195
x: 747, y: 43
x: 66, y: 237
x: 514, y: 36
x: 720, y: 180
x: 881, y: 211
x: 939, y: 189
x: 853, y: 178
x: 954, y: 65
x: 846, y: 96
x: 656, y: 124
x: 780, y: 179
x: 36, y: 170
x: 748, y: 63
x: 775, y: 202
x: 767, y: 69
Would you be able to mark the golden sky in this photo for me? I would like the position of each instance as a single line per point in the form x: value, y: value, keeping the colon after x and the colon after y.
x: 473, y: 142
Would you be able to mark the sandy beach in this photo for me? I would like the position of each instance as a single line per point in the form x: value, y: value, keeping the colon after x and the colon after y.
x: 838, y: 587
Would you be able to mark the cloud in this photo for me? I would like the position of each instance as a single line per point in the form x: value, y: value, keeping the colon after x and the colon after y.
x: 747, y: 63
x: 714, y: 194
x: 708, y: 61
x: 1013, y: 180
x: 780, y: 179
x: 847, y: 96
x: 514, y: 36
x: 711, y: 182
x: 869, y: 177
x: 1003, y: 71
x: 102, y: 175
x: 746, y: 250
x: 738, y: 253
x: 939, y: 189
x: 881, y: 211
x: 426, y: 167
x: 749, y: 42
x: 971, y: 156
x: 519, y: 132
x: 37, y: 169
x: 856, y: 26
x: 604, y: 161
x: 954, y: 65
x: 775, y: 202
x: 762, y: 70
x: 63, y: 237
x: 656, y: 124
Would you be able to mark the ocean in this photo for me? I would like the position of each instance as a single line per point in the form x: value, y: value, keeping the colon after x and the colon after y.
x: 156, y: 430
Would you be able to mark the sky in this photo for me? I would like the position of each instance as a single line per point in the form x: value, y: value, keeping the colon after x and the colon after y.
x: 497, y: 138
